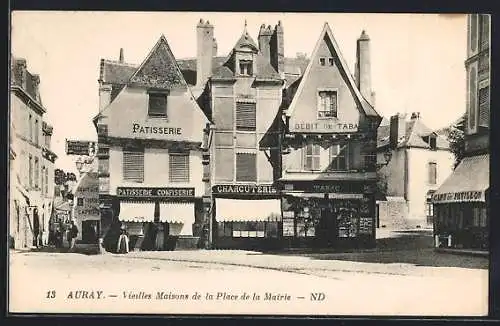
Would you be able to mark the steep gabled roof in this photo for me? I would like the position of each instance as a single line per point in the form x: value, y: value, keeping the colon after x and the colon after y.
x: 361, y: 102
x: 159, y: 70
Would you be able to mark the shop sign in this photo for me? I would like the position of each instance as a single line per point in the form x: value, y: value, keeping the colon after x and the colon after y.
x: 244, y: 189
x: 328, y: 126
x: 330, y: 187
x: 147, y: 192
x: 143, y: 129
x: 79, y: 147
x: 462, y: 196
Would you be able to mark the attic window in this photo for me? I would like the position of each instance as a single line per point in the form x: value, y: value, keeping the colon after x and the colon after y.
x: 246, y: 67
x: 322, y: 61
x: 327, y: 106
x: 330, y: 61
x: 432, y: 142
x: 157, y: 104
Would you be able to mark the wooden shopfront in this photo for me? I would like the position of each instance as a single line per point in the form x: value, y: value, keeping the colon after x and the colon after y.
x: 328, y: 214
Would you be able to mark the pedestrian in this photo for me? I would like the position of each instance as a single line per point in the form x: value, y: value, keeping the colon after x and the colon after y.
x: 58, y: 241
x: 72, y: 234
x: 122, y: 247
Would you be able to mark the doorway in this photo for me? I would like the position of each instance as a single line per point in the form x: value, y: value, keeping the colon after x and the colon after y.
x: 326, y: 229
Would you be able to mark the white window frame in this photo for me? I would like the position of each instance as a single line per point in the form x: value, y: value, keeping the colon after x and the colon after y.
x: 327, y: 114
x: 338, y: 150
x: 305, y: 156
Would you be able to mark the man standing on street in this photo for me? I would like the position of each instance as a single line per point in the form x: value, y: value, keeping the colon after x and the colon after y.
x: 72, y: 234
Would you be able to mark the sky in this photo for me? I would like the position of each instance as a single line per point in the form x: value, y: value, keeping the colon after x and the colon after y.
x: 417, y: 59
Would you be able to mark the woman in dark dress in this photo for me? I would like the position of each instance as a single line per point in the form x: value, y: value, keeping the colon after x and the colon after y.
x: 123, y: 240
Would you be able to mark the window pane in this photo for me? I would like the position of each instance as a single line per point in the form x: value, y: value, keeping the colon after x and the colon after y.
x: 484, y: 106
x: 224, y: 164
x: 246, y: 167
x: 178, y: 167
x: 472, y: 98
x: 157, y: 104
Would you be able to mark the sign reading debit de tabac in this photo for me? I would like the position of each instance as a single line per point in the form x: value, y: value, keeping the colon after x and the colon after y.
x: 324, y: 126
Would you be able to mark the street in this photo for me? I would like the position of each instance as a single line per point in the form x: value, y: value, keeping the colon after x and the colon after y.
x: 244, y: 282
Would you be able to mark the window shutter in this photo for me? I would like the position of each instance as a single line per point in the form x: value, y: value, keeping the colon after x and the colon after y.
x: 178, y: 167
x: 472, y: 99
x: 484, y: 106
x: 246, y: 167
x: 133, y: 165
x: 245, y: 116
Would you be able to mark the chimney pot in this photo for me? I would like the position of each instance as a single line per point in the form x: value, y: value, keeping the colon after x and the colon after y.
x: 121, y: 58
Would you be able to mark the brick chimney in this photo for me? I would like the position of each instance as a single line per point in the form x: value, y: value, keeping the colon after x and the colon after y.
x: 121, y: 58
x: 397, y: 129
x: 104, y: 89
x: 277, y: 50
x: 205, y: 51
x: 265, y: 34
x: 363, y: 68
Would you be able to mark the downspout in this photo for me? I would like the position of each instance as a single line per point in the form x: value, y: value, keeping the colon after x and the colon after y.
x: 406, y: 175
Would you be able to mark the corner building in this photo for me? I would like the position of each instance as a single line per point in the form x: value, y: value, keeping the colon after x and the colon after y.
x: 150, y: 131
x: 328, y: 168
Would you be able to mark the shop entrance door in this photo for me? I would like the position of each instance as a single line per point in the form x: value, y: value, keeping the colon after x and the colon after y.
x: 327, y: 228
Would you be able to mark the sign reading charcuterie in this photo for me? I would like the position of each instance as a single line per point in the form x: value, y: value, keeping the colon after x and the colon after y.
x: 143, y: 192
x: 244, y: 189
x: 462, y: 196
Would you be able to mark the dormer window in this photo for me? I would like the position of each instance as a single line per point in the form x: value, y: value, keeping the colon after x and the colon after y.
x: 322, y: 61
x: 432, y: 142
x: 157, y: 104
x: 327, y: 104
x: 246, y: 67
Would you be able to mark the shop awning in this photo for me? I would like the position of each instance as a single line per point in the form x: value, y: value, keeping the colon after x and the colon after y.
x: 322, y: 195
x: 246, y: 210
x: 136, y: 212
x: 177, y: 213
x: 468, y: 183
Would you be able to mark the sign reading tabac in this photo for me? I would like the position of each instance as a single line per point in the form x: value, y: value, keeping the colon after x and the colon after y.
x: 143, y: 192
x: 244, y: 189
x: 324, y: 126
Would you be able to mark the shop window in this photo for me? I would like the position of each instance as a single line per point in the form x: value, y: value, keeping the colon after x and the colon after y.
x: 157, y: 104
x: 246, y: 67
x: 327, y: 106
x: 258, y: 229
x: 432, y: 170
x: 178, y: 167
x: 245, y: 116
x: 133, y: 165
x: 338, y: 157
x: 312, y: 157
x: 476, y: 216
x: 246, y: 167
x: 79, y: 202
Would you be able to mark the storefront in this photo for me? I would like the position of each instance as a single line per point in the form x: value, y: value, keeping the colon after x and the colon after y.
x: 328, y: 214
x: 246, y: 216
x: 158, y: 218
x: 461, y: 215
x: 86, y: 209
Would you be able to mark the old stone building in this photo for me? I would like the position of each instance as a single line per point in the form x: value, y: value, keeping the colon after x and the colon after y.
x: 32, y: 160
x: 419, y: 161
x: 150, y: 133
x: 328, y: 176
x: 461, y: 214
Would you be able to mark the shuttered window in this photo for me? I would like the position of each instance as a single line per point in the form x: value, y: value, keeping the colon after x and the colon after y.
x: 178, y: 165
x: 484, y: 106
x: 245, y: 116
x: 472, y: 99
x: 246, y: 167
x: 157, y: 104
x: 37, y: 173
x: 133, y: 165
x: 36, y: 131
x: 311, y: 157
x: 47, y: 181
x: 30, y: 171
x: 485, y: 31
x: 432, y: 173
x: 42, y: 180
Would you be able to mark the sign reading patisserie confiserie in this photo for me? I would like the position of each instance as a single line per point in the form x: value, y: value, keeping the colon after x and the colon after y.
x: 146, y: 192
x: 244, y: 189
x: 462, y: 196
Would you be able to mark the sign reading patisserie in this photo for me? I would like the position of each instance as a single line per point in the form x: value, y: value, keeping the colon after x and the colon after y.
x: 143, y: 129
x: 146, y: 192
